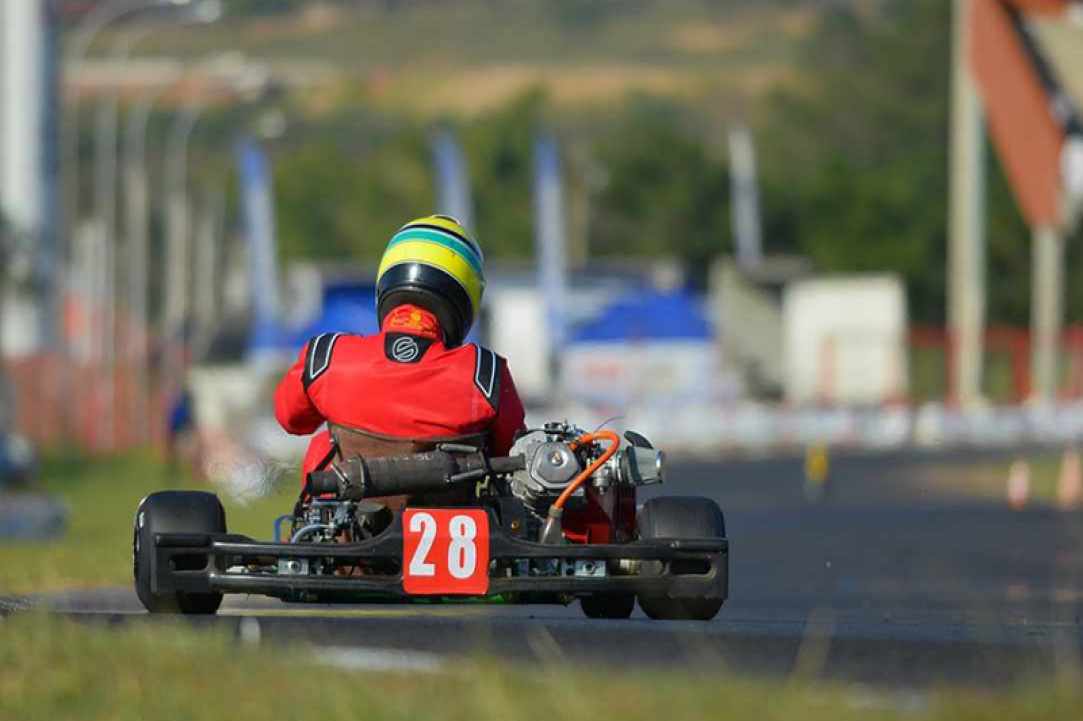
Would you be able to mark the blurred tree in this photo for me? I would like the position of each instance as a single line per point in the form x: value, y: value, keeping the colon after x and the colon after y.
x: 665, y: 194
x: 856, y: 160
x: 334, y: 202
x: 499, y: 150
x: 853, y: 157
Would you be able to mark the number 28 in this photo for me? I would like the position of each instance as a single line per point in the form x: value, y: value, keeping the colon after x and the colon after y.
x: 462, y: 552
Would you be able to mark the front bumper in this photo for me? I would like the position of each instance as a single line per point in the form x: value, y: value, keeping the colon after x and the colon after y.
x: 201, y: 563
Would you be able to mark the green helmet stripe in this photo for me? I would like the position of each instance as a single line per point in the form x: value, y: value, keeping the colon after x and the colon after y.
x: 443, y: 238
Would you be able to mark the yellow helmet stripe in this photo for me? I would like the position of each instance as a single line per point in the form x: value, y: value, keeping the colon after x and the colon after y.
x: 440, y: 237
x: 438, y: 256
x: 450, y: 225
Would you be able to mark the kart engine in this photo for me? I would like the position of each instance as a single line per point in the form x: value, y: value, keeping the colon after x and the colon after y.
x: 552, y: 462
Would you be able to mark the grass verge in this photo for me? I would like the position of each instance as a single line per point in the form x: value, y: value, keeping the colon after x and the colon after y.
x: 101, y: 496
x: 52, y: 668
x: 987, y: 480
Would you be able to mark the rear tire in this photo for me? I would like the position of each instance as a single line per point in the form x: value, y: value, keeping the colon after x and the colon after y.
x: 680, y: 517
x: 174, y: 512
x: 608, y: 605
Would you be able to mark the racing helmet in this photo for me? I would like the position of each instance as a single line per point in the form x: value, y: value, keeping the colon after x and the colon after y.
x: 433, y: 263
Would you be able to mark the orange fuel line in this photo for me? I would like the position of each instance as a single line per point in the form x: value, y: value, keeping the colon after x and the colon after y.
x: 614, y: 444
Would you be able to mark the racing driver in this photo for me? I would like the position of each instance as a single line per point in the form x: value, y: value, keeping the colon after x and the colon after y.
x: 414, y: 384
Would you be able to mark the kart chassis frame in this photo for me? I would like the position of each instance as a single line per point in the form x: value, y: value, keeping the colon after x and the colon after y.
x: 202, y: 563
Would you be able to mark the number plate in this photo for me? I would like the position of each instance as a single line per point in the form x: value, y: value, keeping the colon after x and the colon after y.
x: 445, y: 551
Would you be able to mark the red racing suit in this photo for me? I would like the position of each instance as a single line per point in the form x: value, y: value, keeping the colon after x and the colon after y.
x: 401, y: 384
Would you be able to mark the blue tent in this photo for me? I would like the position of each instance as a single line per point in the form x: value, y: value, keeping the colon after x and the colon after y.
x: 347, y: 308
x: 647, y: 315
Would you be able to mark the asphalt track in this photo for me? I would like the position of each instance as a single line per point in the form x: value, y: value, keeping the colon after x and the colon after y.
x: 882, y: 582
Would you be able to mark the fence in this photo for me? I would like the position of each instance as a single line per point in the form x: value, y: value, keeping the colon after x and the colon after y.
x: 1006, y: 377
x: 59, y: 402
x: 62, y: 404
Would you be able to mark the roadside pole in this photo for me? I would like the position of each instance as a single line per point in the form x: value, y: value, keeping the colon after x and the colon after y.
x: 1047, y: 304
x: 177, y: 307
x: 550, y: 247
x: 745, y: 198
x: 106, y: 158
x: 136, y: 219
x: 966, y: 222
x: 137, y: 229
x: 208, y: 235
x: 453, y: 196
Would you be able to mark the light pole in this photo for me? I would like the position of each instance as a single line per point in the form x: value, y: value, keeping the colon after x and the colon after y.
x: 102, y: 15
x: 966, y: 223
x: 177, y: 222
x: 207, y: 236
x: 99, y: 18
x: 177, y: 306
x: 105, y: 205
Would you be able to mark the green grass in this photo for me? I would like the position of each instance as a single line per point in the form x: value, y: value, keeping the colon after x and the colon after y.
x: 55, y: 669
x: 51, y: 668
x: 988, y: 480
x: 101, y: 496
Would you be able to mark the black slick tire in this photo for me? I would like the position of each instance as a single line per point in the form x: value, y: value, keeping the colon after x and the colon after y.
x: 608, y: 605
x: 174, y: 512
x: 680, y: 517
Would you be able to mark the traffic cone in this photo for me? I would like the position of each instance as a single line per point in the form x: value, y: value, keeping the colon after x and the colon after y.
x: 817, y: 469
x: 1018, y: 484
x: 1070, y: 480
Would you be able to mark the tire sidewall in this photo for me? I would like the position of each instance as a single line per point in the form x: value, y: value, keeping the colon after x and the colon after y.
x: 173, y: 512
x: 680, y: 517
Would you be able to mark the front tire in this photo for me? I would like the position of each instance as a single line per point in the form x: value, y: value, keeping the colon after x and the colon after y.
x: 680, y: 517
x: 173, y: 512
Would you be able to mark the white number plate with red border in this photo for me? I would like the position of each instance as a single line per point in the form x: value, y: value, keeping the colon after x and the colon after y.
x: 445, y: 551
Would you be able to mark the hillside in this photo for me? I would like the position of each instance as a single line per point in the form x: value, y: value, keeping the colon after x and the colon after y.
x: 464, y: 57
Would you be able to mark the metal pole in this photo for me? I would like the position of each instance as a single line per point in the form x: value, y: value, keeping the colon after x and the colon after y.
x: 551, y: 249
x: 105, y: 205
x: 137, y: 218
x: 1047, y: 308
x: 966, y: 241
x: 99, y: 17
x: 104, y: 14
x: 206, y: 264
x: 104, y: 330
x: 745, y: 199
x: 453, y: 195
x: 178, y: 258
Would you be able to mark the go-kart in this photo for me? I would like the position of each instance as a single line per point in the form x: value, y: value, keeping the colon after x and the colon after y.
x: 553, y: 521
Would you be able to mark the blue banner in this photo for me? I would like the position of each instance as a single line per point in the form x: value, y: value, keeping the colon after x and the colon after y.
x: 453, y: 195
x: 550, y: 243
x: 257, y: 212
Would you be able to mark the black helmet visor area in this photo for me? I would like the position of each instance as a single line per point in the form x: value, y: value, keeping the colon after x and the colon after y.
x: 429, y: 288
